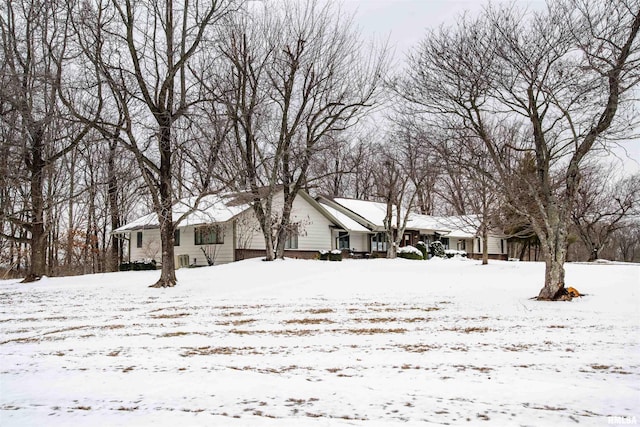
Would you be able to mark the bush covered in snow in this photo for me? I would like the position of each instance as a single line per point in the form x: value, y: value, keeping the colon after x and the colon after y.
x: 138, y: 265
x: 422, y: 247
x: 409, y: 252
x: 437, y: 249
x: 450, y: 253
x: 334, y: 255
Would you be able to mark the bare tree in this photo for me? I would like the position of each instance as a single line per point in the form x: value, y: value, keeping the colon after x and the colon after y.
x: 626, y: 241
x: 563, y: 75
x: 298, y: 76
x: 142, y: 55
x: 404, y: 167
x: 35, y: 38
x: 602, y: 206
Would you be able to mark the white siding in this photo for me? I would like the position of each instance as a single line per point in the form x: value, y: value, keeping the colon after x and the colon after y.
x: 151, y: 246
x: 248, y: 231
x: 494, y: 247
x: 358, y: 242
x: 221, y: 253
x: 315, y: 233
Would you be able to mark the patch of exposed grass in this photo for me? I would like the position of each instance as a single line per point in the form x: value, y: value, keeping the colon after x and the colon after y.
x: 308, y: 321
x: 209, y: 351
x: 371, y: 331
x: 285, y: 332
x: 320, y: 310
x: 419, y: 348
x: 470, y: 330
x: 113, y: 327
x: 238, y: 322
x: 390, y: 319
x: 169, y: 316
x: 518, y: 347
x: 178, y: 334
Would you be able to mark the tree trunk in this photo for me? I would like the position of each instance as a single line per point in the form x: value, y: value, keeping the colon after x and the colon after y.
x: 114, y: 210
x: 554, y: 247
x: 485, y: 246
x: 168, y: 273
x: 165, y: 216
x: 554, y: 281
x: 38, y: 239
x: 285, y: 223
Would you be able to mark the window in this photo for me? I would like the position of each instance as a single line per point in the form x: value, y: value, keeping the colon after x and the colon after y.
x: 379, y: 242
x: 211, y: 235
x: 291, y: 239
x: 139, y: 239
x: 445, y: 242
x: 343, y: 240
x: 176, y: 237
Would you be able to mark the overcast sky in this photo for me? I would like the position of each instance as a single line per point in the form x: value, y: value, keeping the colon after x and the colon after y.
x: 404, y: 23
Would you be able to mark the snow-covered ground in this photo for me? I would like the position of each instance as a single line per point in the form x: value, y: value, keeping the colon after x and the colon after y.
x: 290, y: 343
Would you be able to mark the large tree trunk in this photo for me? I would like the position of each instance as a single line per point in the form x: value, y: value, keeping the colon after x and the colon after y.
x: 485, y: 245
x: 168, y: 273
x: 114, y: 210
x: 38, y: 240
x: 263, y: 214
x: 285, y: 223
x: 554, y: 248
x: 165, y: 216
x: 553, y: 280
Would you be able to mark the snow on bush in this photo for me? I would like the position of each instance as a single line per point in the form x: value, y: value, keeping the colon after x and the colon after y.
x: 450, y: 253
x: 422, y: 247
x: 409, y: 252
x: 437, y: 249
x: 334, y: 255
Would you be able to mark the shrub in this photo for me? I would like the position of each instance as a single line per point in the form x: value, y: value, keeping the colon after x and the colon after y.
x: 410, y: 252
x: 437, y: 249
x: 422, y: 247
x: 323, y: 255
x: 138, y: 265
x: 335, y: 255
x: 450, y: 253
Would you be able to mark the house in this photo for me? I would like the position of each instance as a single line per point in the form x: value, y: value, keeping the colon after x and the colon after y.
x: 465, y: 235
x: 455, y: 232
x: 224, y: 228
x: 370, y: 216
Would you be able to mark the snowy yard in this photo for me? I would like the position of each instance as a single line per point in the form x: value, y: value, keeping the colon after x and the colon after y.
x: 289, y: 343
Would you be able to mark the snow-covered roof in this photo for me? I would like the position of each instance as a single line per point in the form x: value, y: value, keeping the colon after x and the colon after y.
x: 344, y: 220
x: 210, y: 209
x: 427, y: 223
x: 462, y: 227
x: 372, y: 212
